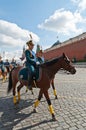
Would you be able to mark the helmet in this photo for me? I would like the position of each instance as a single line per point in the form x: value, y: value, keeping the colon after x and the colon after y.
x: 30, y: 42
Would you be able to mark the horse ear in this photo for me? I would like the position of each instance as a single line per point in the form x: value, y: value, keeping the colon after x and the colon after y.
x: 63, y: 54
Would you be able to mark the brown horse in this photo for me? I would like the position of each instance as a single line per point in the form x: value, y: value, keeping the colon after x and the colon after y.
x: 16, y: 70
x: 48, y: 71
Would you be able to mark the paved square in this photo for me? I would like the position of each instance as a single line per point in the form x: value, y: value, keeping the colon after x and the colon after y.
x: 70, y: 107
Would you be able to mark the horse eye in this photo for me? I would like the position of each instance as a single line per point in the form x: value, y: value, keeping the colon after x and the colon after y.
x: 68, y: 61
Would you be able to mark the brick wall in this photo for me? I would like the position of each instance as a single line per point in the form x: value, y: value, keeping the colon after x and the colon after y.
x: 75, y: 49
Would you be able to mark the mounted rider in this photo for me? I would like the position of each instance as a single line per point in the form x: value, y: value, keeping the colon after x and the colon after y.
x: 39, y: 54
x: 2, y: 67
x: 13, y: 63
x: 30, y: 62
x: 7, y: 65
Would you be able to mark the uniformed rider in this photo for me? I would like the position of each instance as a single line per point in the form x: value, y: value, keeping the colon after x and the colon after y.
x: 30, y: 62
x: 2, y: 67
x: 39, y: 54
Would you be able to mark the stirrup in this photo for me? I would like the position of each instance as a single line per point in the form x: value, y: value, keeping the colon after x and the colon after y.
x: 34, y: 83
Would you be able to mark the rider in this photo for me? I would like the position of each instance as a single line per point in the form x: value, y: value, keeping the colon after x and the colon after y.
x: 2, y: 68
x: 13, y: 63
x: 7, y: 64
x: 30, y: 62
x: 39, y: 54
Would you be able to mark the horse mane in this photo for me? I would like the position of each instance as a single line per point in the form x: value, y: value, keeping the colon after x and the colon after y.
x: 50, y: 62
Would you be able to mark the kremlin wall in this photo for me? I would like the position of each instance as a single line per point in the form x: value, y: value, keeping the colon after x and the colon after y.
x: 74, y: 48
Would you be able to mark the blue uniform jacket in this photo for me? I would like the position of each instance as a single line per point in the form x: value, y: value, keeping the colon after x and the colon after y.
x: 2, y: 67
x: 30, y: 61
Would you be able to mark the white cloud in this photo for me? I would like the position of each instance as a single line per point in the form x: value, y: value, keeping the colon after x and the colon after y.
x: 75, y: 1
x: 81, y: 4
x: 63, y: 21
x: 11, y: 34
x: 13, y: 37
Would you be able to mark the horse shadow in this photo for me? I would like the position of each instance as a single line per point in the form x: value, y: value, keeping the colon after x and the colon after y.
x: 13, y: 115
x: 36, y: 124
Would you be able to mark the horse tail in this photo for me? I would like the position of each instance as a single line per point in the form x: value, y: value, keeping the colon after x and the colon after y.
x: 10, y: 81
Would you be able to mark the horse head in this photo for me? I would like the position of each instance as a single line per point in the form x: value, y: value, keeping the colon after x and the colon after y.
x: 67, y: 64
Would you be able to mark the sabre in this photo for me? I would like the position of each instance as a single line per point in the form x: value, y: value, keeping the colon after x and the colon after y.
x: 30, y: 36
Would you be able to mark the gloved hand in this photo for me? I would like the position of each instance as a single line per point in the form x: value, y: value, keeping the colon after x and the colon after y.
x: 37, y: 63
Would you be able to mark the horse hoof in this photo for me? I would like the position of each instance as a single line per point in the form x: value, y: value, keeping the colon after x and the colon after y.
x: 53, y: 118
x: 56, y: 97
x: 34, y: 110
x: 17, y: 102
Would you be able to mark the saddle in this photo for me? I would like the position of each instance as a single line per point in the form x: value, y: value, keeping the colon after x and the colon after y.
x: 23, y: 74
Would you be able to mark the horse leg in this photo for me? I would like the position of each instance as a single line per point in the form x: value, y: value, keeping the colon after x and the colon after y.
x: 18, y: 91
x: 30, y: 90
x: 54, y: 90
x: 50, y: 105
x: 4, y: 76
x: 38, y: 100
x: 14, y: 94
x: 3, y: 80
x: 26, y: 89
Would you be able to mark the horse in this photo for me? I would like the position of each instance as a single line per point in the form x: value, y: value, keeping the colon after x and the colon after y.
x: 47, y: 72
x: 16, y: 70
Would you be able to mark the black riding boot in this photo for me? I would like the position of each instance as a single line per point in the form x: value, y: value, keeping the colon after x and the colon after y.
x: 31, y: 77
x: 30, y: 81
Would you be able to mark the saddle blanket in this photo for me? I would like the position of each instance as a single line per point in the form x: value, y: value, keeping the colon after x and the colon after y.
x: 23, y: 74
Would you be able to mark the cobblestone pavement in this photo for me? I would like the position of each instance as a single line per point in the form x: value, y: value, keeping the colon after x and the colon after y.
x: 70, y: 108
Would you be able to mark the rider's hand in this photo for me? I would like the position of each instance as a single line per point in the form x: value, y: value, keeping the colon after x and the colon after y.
x: 37, y: 63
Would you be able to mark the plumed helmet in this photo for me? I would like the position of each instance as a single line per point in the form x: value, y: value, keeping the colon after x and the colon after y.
x: 30, y: 42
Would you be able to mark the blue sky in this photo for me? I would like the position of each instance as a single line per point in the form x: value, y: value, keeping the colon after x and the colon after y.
x: 46, y: 20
